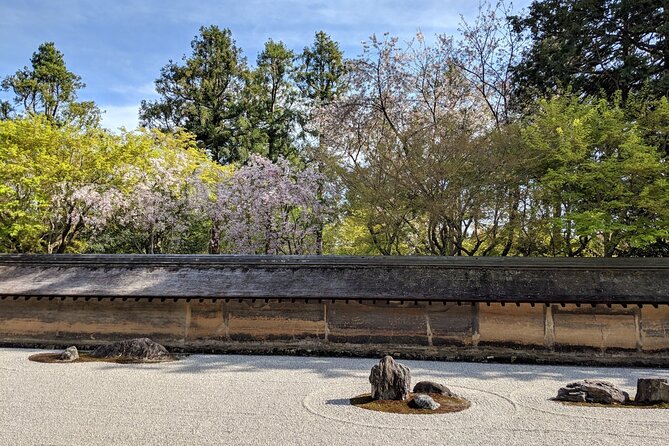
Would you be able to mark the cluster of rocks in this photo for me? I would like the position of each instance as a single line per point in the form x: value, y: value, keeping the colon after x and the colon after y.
x: 140, y: 349
x: 391, y: 380
x: 592, y: 391
x: 649, y: 391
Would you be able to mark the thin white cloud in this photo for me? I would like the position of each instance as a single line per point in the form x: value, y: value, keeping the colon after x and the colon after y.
x: 145, y: 90
x: 347, y: 13
x: 119, y: 46
x: 116, y: 116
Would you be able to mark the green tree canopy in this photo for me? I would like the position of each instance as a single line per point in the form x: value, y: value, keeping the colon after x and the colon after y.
x: 600, y: 189
x: 321, y: 70
x: 594, y: 46
x: 270, y: 104
x: 202, y: 95
x: 48, y: 88
x: 55, y: 181
x: 67, y: 190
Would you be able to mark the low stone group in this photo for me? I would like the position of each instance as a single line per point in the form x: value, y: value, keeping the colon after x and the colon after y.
x: 391, y: 380
x: 139, y: 349
x: 649, y: 391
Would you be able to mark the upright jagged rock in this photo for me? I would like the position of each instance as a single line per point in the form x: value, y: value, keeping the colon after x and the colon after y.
x: 592, y: 391
x: 390, y: 380
x: 652, y: 391
x: 132, y: 349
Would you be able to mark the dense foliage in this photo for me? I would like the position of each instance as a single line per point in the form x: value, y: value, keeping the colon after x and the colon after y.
x: 594, y: 46
x: 64, y: 190
x: 49, y: 89
x: 428, y: 170
x: 545, y: 134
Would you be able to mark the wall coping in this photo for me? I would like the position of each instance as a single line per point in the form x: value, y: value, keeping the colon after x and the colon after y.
x: 448, y: 279
x: 326, y: 260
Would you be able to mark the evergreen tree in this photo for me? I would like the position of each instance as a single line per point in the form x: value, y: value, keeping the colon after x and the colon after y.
x: 202, y: 95
x: 320, y: 75
x: 48, y: 88
x: 321, y: 79
x: 270, y: 103
x: 594, y: 46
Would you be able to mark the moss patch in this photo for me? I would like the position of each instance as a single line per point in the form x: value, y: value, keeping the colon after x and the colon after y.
x: 54, y: 358
x: 449, y: 404
x: 630, y: 405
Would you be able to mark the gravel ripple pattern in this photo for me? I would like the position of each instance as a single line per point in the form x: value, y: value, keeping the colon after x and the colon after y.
x: 283, y: 400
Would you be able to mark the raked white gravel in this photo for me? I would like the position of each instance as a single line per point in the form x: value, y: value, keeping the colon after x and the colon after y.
x: 281, y: 400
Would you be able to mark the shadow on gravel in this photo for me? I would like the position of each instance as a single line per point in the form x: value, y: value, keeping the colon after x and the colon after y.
x: 358, y: 368
x: 625, y: 376
x: 339, y: 402
x: 324, y: 367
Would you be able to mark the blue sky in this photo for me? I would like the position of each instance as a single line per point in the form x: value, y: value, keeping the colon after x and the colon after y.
x: 119, y: 46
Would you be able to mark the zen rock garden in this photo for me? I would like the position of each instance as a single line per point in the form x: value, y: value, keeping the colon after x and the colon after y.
x: 391, y: 392
x: 650, y: 392
x: 126, y: 351
x: 390, y: 381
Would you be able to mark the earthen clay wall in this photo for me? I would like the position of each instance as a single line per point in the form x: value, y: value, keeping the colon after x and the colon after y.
x: 539, y: 333
x: 495, y: 309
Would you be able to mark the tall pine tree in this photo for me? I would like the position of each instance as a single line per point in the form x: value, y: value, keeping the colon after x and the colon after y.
x: 594, y: 46
x: 202, y: 95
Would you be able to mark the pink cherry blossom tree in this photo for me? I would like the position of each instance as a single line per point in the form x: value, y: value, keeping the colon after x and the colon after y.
x: 269, y: 208
x: 162, y: 204
x: 75, y: 209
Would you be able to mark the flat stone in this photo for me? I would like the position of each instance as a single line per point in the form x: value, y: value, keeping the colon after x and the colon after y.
x: 592, y: 391
x: 432, y: 387
x: 424, y: 402
x: 69, y: 354
x: 652, y: 391
x: 390, y: 380
x: 132, y: 349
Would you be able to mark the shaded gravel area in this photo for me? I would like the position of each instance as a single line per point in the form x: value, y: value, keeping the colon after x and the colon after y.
x: 229, y: 399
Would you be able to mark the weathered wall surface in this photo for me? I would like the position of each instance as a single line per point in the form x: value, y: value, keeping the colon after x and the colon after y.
x: 450, y: 279
x: 555, y: 333
x: 526, y: 309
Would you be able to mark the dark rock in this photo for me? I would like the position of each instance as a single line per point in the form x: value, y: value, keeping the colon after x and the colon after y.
x: 652, y: 391
x: 424, y: 402
x: 133, y: 349
x: 432, y: 387
x: 69, y: 354
x: 592, y: 391
x: 390, y: 380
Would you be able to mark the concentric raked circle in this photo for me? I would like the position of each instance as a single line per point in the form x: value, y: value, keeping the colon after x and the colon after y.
x: 496, y: 415
x: 332, y: 402
x: 634, y: 415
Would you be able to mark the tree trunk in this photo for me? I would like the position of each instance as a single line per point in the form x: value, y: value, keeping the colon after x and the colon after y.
x: 214, y: 238
x: 319, y: 239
